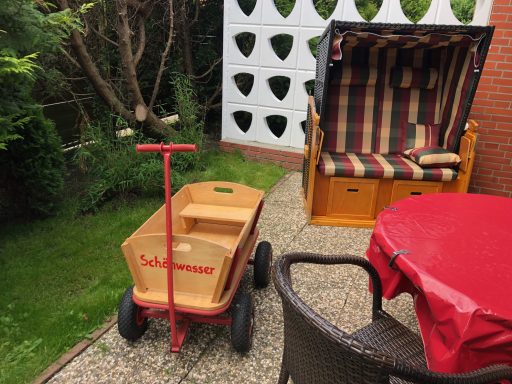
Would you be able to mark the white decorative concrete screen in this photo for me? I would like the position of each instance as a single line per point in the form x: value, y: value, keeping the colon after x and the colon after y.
x: 247, y: 112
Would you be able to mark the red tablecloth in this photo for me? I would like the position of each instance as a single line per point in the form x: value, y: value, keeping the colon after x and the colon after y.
x: 459, y: 268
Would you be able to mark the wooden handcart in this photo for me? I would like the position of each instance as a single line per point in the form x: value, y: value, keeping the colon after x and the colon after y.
x: 188, y: 258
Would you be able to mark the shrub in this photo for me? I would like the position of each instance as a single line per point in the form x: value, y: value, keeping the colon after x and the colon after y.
x: 190, y: 126
x: 32, y: 168
x: 114, y: 167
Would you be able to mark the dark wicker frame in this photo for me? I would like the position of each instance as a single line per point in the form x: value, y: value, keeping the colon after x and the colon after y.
x: 305, y: 163
x: 385, y: 351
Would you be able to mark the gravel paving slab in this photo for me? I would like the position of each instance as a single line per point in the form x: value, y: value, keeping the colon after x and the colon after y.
x: 339, y: 293
x: 288, y: 192
x: 113, y: 359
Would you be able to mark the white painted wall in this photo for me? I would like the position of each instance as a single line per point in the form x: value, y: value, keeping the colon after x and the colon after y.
x: 303, y: 23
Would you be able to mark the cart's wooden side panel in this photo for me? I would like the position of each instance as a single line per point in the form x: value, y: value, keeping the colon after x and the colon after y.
x: 225, y: 193
x: 225, y: 235
x: 133, y: 267
x: 155, y: 224
x: 181, y: 225
x: 221, y: 202
x: 200, y: 266
x: 139, y: 252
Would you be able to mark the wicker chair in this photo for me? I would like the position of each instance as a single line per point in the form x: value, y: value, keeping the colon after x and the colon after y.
x: 385, y: 351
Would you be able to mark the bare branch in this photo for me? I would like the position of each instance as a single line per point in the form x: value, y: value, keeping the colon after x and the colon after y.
x: 70, y: 58
x: 212, y: 67
x: 102, y: 87
x: 127, y: 61
x: 142, y: 8
x: 101, y: 35
x: 209, y: 103
x: 125, y: 49
x: 85, y: 62
x: 214, y: 106
x: 196, y: 15
x: 142, y: 41
x: 165, y: 55
x: 185, y: 36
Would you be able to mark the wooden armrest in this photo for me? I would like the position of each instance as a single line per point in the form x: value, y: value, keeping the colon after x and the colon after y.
x: 467, y: 145
x: 473, y: 125
x: 319, y: 145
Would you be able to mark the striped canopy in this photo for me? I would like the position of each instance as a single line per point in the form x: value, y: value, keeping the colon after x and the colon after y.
x: 393, y: 40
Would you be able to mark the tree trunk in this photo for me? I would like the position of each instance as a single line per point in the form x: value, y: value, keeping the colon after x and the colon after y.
x: 103, y: 88
x: 130, y: 74
x: 184, y: 32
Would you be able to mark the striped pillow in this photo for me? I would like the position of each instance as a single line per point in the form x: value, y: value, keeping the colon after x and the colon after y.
x: 408, y: 77
x: 420, y: 135
x: 433, y: 157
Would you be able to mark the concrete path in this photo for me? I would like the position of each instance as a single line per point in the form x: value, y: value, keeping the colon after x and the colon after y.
x: 339, y: 293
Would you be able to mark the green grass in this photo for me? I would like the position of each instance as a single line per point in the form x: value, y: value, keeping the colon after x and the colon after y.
x: 233, y: 167
x: 62, y: 277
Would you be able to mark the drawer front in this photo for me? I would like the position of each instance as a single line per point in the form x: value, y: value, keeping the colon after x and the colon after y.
x: 406, y: 188
x: 352, y: 198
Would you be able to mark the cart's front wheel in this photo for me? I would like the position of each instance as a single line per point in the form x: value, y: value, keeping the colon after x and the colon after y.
x: 242, y: 315
x: 130, y: 322
x: 262, y: 264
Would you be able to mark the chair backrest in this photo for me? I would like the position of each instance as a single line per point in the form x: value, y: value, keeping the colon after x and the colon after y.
x: 315, y: 351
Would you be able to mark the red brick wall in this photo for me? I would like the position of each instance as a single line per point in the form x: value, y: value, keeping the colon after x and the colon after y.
x: 492, y: 109
x: 287, y: 159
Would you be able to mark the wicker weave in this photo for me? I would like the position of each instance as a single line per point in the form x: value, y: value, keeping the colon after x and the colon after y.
x: 385, y: 351
x: 305, y: 163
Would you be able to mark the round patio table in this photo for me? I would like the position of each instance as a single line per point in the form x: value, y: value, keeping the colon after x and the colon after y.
x: 453, y: 253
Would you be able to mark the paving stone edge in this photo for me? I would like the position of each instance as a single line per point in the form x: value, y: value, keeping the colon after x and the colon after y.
x: 61, y: 362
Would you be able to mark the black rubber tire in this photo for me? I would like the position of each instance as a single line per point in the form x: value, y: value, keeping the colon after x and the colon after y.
x: 262, y: 264
x: 127, y: 323
x: 242, y: 316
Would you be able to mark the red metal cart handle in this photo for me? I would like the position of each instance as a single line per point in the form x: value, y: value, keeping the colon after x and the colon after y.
x: 163, y: 148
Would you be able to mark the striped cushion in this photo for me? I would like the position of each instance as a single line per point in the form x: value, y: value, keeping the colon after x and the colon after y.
x: 364, y: 117
x: 362, y: 76
x: 380, y: 167
x: 432, y: 157
x: 420, y: 135
x: 459, y: 75
x: 408, y: 77
x: 367, y: 118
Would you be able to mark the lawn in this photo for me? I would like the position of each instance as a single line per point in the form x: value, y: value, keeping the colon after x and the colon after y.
x: 62, y: 277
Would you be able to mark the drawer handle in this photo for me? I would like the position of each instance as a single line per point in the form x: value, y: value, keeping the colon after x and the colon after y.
x: 415, y: 193
x: 352, y: 189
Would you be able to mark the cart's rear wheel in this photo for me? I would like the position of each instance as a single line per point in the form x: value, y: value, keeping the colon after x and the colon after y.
x: 130, y: 322
x: 242, y: 315
x: 262, y: 264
